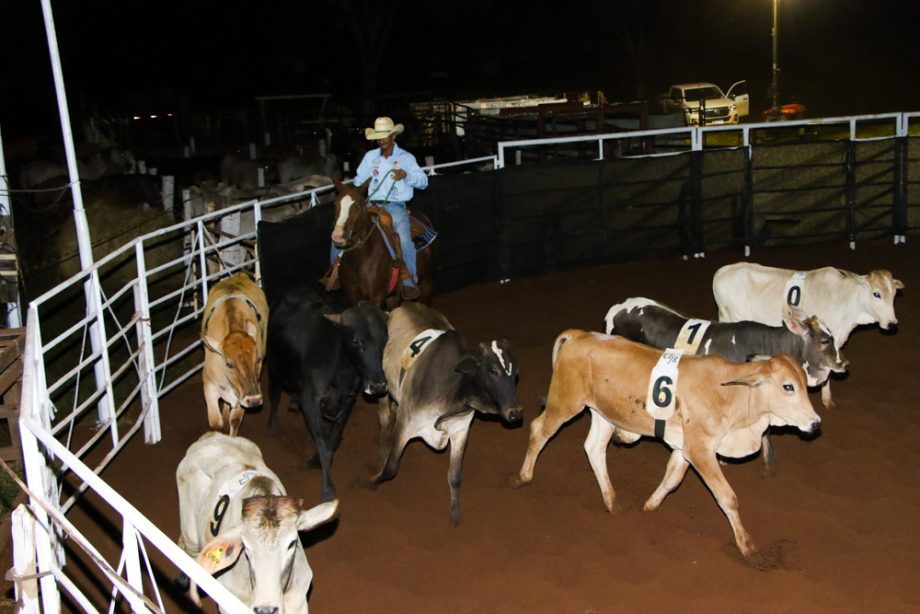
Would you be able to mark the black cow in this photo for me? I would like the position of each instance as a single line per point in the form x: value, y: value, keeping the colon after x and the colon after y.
x: 804, y: 338
x: 322, y: 355
x: 435, y: 386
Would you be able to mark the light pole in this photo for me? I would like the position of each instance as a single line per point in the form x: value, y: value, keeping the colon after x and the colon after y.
x: 774, y: 88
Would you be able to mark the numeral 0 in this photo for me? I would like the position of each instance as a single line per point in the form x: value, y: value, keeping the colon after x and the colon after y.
x: 794, y: 296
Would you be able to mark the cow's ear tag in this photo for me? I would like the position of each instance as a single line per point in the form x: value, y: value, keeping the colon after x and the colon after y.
x: 215, y: 555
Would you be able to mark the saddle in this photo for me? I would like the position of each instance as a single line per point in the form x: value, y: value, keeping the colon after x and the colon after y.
x: 420, y: 233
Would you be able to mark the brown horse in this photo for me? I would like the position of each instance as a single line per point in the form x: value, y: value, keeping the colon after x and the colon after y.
x: 367, y: 270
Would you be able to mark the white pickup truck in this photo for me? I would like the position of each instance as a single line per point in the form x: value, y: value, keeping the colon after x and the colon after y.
x: 706, y: 104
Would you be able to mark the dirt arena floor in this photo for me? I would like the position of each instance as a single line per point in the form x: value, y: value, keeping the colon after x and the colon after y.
x: 837, y: 527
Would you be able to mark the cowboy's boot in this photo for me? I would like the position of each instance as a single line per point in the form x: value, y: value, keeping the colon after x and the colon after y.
x: 408, y: 291
x: 330, y: 280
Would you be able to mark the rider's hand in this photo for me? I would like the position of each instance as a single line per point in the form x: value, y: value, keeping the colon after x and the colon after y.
x: 398, y: 174
x: 338, y: 235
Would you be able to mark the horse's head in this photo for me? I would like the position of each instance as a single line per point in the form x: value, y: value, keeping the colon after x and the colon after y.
x: 350, y: 207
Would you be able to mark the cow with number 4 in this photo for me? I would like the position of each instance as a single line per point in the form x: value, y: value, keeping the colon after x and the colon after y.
x: 840, y: 299
x: 700, y: 406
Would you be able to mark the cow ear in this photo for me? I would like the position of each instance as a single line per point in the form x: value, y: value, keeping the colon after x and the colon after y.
x: 749, y: 382
x: 251, y: 329
x: 468, y: 365
x: 752, y: 379
x: 335, y: 318
x: 315, y: 516
x: 794, y: 319
x: 221, y: 552
x: 897, y: 284
x: 338, y: 184
x: 211, y: 344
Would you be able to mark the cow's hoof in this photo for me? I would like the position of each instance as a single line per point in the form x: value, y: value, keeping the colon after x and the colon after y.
x: 182, y: 582
x: 370, y: 483
x: 516, y: 480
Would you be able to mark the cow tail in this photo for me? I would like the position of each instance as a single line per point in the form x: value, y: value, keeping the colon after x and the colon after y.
x: 560, y: 340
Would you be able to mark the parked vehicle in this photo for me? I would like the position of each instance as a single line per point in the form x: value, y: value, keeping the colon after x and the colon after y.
x: 706, y: 103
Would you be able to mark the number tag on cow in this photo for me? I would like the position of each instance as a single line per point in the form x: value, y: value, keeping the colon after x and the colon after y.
x: 418, y: 345
x: 223, y: 502
x: 795, y: 288
x: 690, y: 335
x: 662, y: 388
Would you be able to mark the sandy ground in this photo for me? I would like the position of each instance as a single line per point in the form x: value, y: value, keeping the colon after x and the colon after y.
x: 837, y: 526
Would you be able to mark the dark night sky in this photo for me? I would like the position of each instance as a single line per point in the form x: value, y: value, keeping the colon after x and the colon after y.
x: 837, y: 56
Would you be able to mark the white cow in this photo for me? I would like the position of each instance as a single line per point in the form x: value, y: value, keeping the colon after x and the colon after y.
x: 230, y: 503
x: 841, y: 299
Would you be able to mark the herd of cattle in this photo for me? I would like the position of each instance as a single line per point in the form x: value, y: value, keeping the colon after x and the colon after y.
x: 707, y: 389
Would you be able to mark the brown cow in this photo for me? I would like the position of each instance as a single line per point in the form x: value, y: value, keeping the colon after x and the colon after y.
x: 233, y: 329
x: 721, y: 408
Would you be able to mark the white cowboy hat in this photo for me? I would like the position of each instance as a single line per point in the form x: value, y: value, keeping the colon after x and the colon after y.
x: 383, y: 127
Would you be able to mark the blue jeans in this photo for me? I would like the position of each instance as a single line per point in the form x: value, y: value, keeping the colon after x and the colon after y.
x: 397, y: 211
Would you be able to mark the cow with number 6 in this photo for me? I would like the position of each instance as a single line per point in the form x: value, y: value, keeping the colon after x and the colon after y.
x: 719, y: 407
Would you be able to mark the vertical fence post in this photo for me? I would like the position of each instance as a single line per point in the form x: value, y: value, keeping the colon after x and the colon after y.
x: 697, y: 242
x: 130, y: 547
x: 850, y: 188
x: 39, y: 476
x: 899, y: 214
x: 168, y: 191
x: 146, y: 362
x: 747, y: 207
x: 23, y: 529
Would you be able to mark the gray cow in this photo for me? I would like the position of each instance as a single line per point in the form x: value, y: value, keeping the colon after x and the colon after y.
x: 435, y: 386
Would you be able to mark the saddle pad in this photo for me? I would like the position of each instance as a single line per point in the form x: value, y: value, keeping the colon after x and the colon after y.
x: 690, y: 335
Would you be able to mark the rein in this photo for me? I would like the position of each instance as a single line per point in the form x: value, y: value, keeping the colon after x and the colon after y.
x: 363, y: 240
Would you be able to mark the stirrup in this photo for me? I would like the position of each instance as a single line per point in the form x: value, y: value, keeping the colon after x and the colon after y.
x: 408, y: 291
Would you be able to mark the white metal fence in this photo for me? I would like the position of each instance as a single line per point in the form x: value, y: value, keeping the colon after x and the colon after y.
x: 81, y: 406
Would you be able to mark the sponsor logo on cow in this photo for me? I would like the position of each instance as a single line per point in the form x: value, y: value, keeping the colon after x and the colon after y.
x: 661, y: 399
x: 795, y: 288
x: 690, y: 335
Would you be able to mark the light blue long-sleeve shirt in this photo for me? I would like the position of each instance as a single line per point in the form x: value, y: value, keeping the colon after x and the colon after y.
x: 378, y: 168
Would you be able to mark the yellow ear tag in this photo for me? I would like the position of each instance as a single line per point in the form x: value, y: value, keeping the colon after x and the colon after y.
x: 215, y: 555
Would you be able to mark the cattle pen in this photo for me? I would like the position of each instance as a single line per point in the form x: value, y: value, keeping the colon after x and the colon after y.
x: 528, y: 249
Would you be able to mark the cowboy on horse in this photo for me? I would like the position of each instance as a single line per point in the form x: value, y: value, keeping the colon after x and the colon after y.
x: 394, y: 175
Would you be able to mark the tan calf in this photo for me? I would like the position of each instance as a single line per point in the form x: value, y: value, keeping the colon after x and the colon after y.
x: 233, y: 329
x: 721, y: 408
